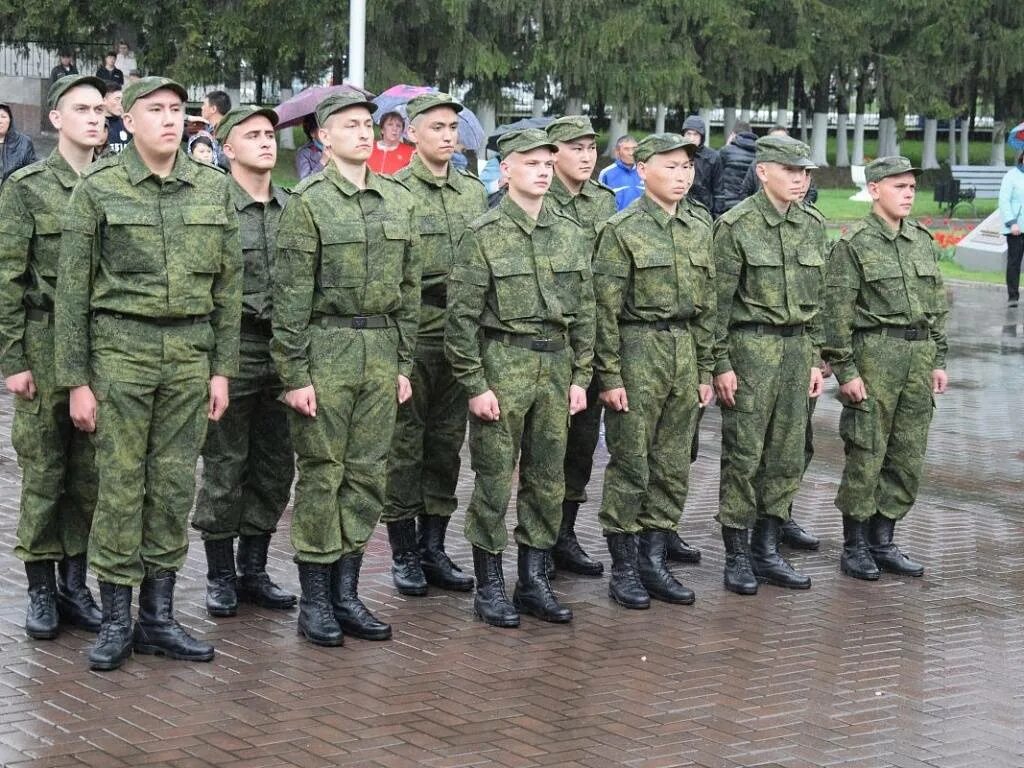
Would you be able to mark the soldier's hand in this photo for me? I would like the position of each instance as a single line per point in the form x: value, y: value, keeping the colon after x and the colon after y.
x: 854, y: 391
x: 577, y: 399
x: 302, y: 400
x: 725, y: 388
x: 82, y: 406
x: 817, y: 384
x: 218, y: 397
x: 485, y: 406
x: 704, y: 394
x: 404, y: 389
x: 939, y: 381
x: 615, y: 399
x: 21, y: 384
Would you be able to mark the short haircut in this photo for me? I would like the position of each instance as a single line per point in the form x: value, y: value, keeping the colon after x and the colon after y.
x: 393, y: 114
x: 111, y: 54
x: 66, y: 53
x: 112, y: 86
x: 623, y: 139
x: 220, y: 101
x: 779, y: 129
x: 741, y: 126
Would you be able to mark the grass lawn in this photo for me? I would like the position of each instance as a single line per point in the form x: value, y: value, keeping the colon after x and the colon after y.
x: 837, y: 206
x: 953, y: 271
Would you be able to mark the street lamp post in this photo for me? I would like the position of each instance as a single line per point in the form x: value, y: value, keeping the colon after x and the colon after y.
x: 357, y: 42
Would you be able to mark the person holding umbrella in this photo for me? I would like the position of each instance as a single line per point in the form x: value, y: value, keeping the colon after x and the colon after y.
x: 1011, y: 213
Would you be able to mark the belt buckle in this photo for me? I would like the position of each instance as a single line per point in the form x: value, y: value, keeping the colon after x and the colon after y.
x: 359, y: 323
x: 539, y: 345
x: 910, y: 334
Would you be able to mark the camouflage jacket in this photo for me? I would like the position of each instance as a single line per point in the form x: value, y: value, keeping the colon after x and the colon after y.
x: 591, y: 208
x: 257, y: 230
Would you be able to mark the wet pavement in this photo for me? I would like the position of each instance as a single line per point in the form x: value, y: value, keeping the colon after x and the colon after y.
x: 903, y: 672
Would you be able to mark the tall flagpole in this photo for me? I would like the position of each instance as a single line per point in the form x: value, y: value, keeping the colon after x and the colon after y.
x: 357, y: 42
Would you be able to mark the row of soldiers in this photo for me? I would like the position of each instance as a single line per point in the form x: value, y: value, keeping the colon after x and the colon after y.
x: 358, y: 322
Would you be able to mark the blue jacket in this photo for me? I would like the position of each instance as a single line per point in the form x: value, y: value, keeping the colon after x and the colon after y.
x: 1011, y: 199
x: 624, y: 181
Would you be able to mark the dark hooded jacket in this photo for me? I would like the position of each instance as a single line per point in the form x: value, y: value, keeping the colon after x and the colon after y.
x: 17, y: 150
x: 736, y: 157
x: 708, y: 167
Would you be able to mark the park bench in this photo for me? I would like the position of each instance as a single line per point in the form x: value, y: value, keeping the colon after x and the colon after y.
x: 967, y: 184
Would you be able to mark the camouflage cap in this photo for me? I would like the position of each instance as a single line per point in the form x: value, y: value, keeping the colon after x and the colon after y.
x: 240, y: 115
x: 524, y: 141
x: 428, y: 101
x: 147, y: 85
x: 893, y: 165
x: 657, y: 143
x: 66, y: 83
x: 784, y: 150
x: 570, y: 128
x: 339, y: 101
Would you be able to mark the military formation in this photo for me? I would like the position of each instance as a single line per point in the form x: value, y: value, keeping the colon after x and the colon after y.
x: 344, y: 336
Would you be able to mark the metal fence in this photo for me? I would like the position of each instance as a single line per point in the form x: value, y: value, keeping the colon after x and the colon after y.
x: 38, y: 58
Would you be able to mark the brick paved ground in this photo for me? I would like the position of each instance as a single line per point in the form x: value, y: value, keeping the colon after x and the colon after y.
x: 906, y: 673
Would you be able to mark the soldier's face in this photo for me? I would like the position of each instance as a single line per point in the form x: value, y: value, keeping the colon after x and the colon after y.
x: 436, y: 133
x: 80, y: 116
x: 252, y: 144
x: 667, y: 176
x: 529, y: 173
x: 894, y: 195
x: 783, y: 182
x: 157, y: 120
x: 348, y: 134
x: 575, y: 160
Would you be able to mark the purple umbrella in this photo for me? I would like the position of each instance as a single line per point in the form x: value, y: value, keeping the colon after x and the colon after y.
x: 294, y: 110
x: 1016, y: 138
x: 394, y: 99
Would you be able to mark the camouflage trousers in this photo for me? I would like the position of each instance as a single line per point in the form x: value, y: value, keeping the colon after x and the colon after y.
x: 886, y: 436
x: 584, y: 433
x: 58, y: 475
x: 533, y: 394
x: 248, y: 463
x: 764, y: 433
x: 342, y: 452
x: 423, y: 468
x: 647, y: 478
x: 152, y: 385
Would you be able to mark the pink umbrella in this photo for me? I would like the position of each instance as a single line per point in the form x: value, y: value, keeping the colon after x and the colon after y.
x: 294, y: 110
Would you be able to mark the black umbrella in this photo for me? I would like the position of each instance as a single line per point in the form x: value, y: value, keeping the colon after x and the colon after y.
x: 518, y: 125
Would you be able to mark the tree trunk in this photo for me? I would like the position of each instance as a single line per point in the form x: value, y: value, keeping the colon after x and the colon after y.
x: 574, y: 105
x: 857, y: 157
x: 782, y: 100
x: 485, y: 113
x: 659, y: 118
x: 819, y: 126
x: 618, y: 126
x: 538, y: 98
x: 951, y: 141
x: 965, y: 142
x: 285, y: 139
x: 746, y: 103
x: 842, y: 151
x: 728, y: 121
x: 929, y: 156
x: 997, y: 154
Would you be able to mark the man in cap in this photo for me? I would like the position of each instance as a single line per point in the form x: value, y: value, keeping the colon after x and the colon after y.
x: 769, y: 256
x: 885, y: 316
x: 520, y: 337
x: 589, y: 204
x: 708, y: 179
x: 248, y: 463
x: 655, y: 291
x: 58, y: 484
x: 423, y: 467
x: 346, y: 304
x: 147, y: 313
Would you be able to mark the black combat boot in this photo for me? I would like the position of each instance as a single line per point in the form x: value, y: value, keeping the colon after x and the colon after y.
x: 624, y: 586
x: 739, y: 577
x: 41, y: 617
x: 438, y: 568
x: 317, y: 622
x: 354, y: 617
x: 406, y: 570
x: 114, y: 643
x: 766, y: 562
x: 221, y: 598
x: 567, y: 553
x: 157, y: 631
x: 795, y: 537
x: 533, y: 593
x: 856, y: 560
x: 491, y: 604
x: 254, y: 584
x: 74, y: 600
x: 678, y: 551
x: 886, y: 554
x: 654, y: 573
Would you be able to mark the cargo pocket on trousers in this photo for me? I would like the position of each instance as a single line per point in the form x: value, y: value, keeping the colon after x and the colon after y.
x: 857, y: 425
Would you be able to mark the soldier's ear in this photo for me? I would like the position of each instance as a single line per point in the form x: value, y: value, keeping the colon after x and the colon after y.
x: 129, y: 122
x: 641, y: 169
x: 56, y: 120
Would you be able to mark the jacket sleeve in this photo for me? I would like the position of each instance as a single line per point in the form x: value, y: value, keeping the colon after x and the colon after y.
x: 842, y: 285
x: 704, y: 324
x: 467, y: 294
x: 227, y: 298
x: 728, y: 266
x: 408, y: 315
x: 937, y: 320
x: 294, y: 285
x: 581, y: 333
x: 1008, y: 212
x: 79, y: 255
x: 16, y: 228
x: 611, y: 280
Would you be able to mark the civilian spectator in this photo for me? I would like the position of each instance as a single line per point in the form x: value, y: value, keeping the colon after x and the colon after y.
x: 737, y: 156
x: 1011, y: 214
x: 390, y: 153
x: 16, y: 149
x: 490, y: 173
x: 216, y: 104
x: 101, y: 141
x: 109, y: 72
x: 310, y: 158
x: 125, y: 60
x: 621, y: 177
x: 66, y: 66
x: 118, y: 135
x: 708, y: 165
x: 200, y: 147
x: 134, y: 75
x: 751, y: 183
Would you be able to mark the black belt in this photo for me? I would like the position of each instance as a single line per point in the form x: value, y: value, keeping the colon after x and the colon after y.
x: 358, y: 322
x: 433, y: 300
x: 657, y: 325
x: 255, y: 327
x: 39, y: 315
x: 766, y: 329
x: 527, y: 342
x: 163, y: 322
x: 905, y: 332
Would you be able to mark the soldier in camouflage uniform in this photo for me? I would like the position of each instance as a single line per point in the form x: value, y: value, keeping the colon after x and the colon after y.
x: 520, y: 336
x: 147, y: 313
x: 885, y: 316
x: 654, y: 286
x: 769, y: 257
x: 248, y: 463
x: 58, y: 486
x: 346, y: 307
x: 590, y: 205
x: 423, y: 468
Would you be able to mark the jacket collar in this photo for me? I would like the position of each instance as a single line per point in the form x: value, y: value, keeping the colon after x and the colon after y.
x: 242, y: 199
x: 346, y: 187
x: 66, y: 175
x: 424, y: 174
x: 184, y: 169
x: 881, y: 227
x: 521, y: 218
